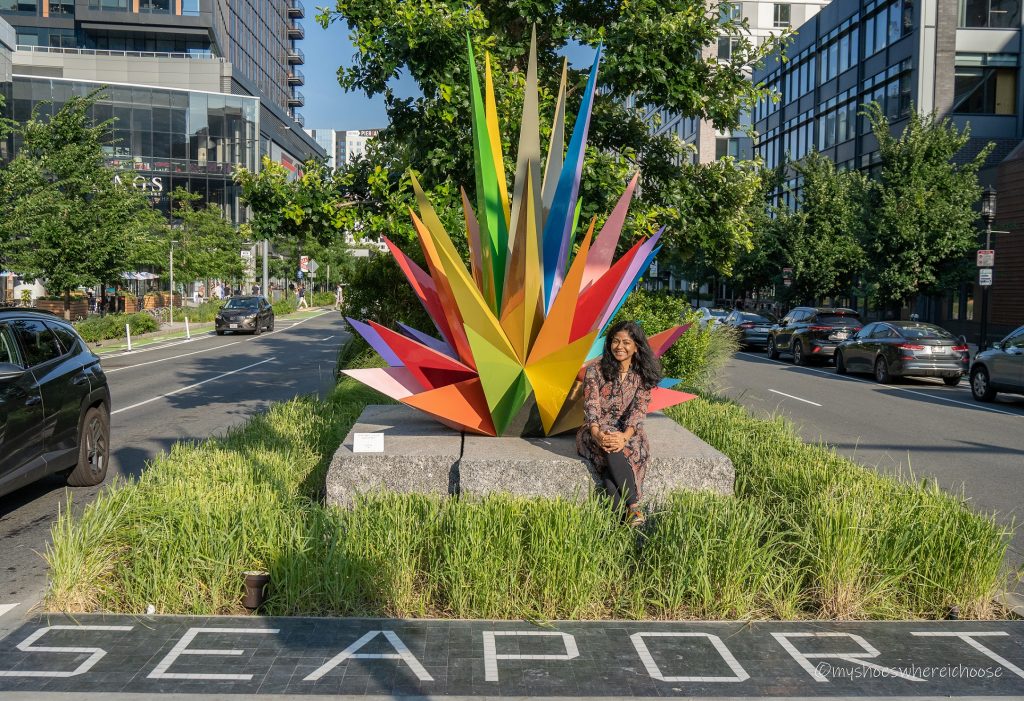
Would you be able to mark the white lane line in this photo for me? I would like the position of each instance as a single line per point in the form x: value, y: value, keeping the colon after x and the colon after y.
x: 806, y: 401
x: 324, y: 340
x: 185, y: 389
x: 847, y: 378
x: 6, y: 608
x: 173, y: 357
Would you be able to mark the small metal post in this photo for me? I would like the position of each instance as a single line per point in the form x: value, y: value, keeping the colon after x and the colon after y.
x: 128, y: 333
x: 188, y: 334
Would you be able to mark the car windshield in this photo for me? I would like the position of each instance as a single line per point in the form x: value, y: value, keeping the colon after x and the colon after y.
x: 838, y: 320
x: 718, y: 312
x: 924, y: 331
x: 242, y: 303
x: 757, y: 318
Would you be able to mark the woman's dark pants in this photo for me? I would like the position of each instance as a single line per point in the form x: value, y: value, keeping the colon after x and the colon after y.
x: 619, y: 480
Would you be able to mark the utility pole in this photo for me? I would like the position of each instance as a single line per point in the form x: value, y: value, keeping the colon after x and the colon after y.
x: 170, y: 302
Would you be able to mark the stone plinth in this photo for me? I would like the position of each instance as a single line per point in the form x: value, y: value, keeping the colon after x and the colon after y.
x: 418, y: 456
x: 421, y: 455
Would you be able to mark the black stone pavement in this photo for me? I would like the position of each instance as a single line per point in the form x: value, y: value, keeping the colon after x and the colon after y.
x: 140, y: 657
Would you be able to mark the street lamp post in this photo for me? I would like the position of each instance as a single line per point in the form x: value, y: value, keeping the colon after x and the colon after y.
x: 988, y: 213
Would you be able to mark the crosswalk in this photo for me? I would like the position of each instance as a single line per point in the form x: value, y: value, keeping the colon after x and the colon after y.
x: 5, y: 608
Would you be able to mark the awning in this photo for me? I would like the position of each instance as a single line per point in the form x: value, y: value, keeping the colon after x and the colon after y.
x: 139, y: 276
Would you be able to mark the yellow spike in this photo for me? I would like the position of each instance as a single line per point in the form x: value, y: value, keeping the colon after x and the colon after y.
x: 494, y: 133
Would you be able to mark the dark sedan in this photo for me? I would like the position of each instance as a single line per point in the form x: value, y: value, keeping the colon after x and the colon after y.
x: 890, y: 349
x: 251, y: 314
x: 751, y: 329
x: 54, y: 403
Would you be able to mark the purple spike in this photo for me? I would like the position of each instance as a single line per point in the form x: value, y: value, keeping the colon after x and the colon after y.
x: 429, y: 341
x: 376, y: 342
x: 640, y: 263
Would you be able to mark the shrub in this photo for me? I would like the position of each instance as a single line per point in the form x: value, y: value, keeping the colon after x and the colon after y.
x: 102, y: 328
x: 286, y: 305
x: 698, y: 356
x: 378, y: 290
x: 322, y: 299
x: 199, y: 313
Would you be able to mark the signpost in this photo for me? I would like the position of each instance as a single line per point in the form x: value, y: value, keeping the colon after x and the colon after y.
x: 304, y: 264
x: 986, y: 258
x: 985, y: 277
x: 787, y: 276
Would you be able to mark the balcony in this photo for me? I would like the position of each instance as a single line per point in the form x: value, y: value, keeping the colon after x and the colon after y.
x: 296, y: 9
x: 295, y: 56
x: 296, y: 99
x: 295, y: 77
x: 295, y: 31
x: 299, y: 119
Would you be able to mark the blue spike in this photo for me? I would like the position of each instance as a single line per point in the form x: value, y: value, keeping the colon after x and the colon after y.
x: 558, y: 227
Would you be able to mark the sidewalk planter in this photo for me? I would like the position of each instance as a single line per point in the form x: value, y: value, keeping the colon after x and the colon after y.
x: 150, y: 301
x: 79, y: 306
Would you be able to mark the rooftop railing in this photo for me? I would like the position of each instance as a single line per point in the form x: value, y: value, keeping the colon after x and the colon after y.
x: 196, y: 55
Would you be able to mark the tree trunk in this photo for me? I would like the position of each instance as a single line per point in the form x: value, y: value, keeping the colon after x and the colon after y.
x: 67, y: 305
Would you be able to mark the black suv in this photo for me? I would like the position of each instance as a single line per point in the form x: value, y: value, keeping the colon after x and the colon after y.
x: 54, y: 402
x: 812, y: 332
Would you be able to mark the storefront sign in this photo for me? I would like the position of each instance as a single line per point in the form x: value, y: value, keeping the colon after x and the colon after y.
x: 146, y: 183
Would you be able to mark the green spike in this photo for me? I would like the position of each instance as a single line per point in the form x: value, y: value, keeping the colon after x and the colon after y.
x: 489, y: 207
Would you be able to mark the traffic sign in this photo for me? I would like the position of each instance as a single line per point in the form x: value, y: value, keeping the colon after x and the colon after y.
x: 986, y: 259
x: 300, y: 274
x: 313, y: 266
x: 985, y: 277
x: 304, y: 264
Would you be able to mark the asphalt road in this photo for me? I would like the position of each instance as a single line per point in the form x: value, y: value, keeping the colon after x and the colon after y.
x: 916, y: 426
x: 179, y: 391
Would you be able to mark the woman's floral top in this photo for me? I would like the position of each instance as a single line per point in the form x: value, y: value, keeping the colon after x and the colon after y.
x: 606, y: 404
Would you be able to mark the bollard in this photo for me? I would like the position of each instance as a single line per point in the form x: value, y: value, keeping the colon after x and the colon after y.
x: 128, y: 333
x: 188, y: 334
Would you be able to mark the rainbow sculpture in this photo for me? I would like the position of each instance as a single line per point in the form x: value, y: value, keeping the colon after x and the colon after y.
x: 517, y: 327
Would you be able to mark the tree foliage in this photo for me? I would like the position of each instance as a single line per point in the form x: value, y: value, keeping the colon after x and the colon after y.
x: 63, y: 215
x: 922, y: 215
x: 654, y: 51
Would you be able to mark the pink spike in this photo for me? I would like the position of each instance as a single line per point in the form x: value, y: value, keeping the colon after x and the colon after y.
x: 601, y: 255
x: 431, y: 368
x: 424, y: 288
x: 397, y: 383
x: 662, y: 398
x: 596, y: 299
x: 627, y: 279
x: 661, y: 342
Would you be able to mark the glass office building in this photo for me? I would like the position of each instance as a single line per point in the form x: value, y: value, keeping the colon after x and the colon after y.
x: 167, y: 138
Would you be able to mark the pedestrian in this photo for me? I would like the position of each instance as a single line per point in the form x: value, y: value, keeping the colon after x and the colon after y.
x: 616, y: 393
x: 302, y: 297
x: 255, y: 289
x: 339, y: 296
x: 738, y: 305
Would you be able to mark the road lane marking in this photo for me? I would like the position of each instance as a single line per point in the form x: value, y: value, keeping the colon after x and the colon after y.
x: 6, y: 608
x: 975, y: 405
x: 173, y: 357
x: 806, y: 401
x: 185, y: 389
x: 324, y: 340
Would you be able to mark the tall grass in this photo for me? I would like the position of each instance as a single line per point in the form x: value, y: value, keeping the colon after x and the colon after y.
x: 808, y: 535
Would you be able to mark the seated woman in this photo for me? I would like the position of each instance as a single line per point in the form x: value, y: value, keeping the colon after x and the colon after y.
x: 616, y: 393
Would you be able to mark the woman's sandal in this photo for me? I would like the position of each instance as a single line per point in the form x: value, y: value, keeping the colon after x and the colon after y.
x: 636, y: 518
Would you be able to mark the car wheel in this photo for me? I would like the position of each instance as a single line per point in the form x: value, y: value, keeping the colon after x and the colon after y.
x: 93, y: 449
x: 840, y: 363
x: 258, y: 329
x: 270, y: 327
x: 772, y: 351
x: 951, y: 381
x: 882, y: 371
x: 219, y: 332
x: 981, y: 388
x: 798, y: 354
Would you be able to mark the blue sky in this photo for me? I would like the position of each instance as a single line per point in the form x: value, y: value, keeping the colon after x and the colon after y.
x: 327, y: 105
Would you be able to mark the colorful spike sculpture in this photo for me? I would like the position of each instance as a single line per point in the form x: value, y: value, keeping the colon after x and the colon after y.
x: 518, y: 326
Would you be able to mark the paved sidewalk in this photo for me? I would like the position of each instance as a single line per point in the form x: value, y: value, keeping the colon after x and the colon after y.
x: 216, y: 656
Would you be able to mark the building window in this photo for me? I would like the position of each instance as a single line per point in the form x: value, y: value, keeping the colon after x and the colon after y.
x: 990, y: 13
x: 782, y: 14
x: 21, y: 7
x: 726, y: 47
x: 725, y: 146
x: 985, y: 90
x: 730, y: 12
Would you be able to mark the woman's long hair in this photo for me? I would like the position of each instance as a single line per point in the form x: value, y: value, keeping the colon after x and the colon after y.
x: 644, y: 363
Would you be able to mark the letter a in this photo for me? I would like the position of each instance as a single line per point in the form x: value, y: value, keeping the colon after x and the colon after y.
x: 401, y: 653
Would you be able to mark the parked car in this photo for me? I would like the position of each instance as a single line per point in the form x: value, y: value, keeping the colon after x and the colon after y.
x: 54, y: 402
x: 711, y: 314
x: 1000, y: 368
x: 812, y: 332
x: 889, y: 349
x: 751, y: 329
x: 250, y: 313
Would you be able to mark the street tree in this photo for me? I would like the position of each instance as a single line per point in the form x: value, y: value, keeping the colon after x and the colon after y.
x: 207, y: 245
x: 921, y: 212
x: 824, y: 237
x: 655, y: 53
x: 67, y: 220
